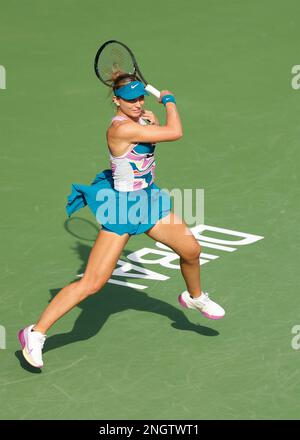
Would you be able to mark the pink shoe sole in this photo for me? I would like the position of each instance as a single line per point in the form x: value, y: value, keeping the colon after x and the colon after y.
x: 183, y: 304
x: 22, y: 338
x: 212, y: 316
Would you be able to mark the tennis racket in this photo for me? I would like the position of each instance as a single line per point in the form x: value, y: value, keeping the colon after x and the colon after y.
x: 115, y: 56
x: 81, y: 228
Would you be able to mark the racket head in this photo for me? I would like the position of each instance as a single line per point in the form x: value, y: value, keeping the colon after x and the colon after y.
x: 115, y: 56
x: 82, y: 228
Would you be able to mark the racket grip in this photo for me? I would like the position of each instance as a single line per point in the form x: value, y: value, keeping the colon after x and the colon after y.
x: 152, y: 90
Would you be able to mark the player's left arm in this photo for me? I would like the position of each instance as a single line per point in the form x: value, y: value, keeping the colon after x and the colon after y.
x: 150, y: 116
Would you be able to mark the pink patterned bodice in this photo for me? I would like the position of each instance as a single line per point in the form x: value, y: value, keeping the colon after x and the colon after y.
x: 135, y: 169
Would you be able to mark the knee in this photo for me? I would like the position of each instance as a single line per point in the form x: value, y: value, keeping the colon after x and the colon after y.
x: 192, y: 253
x: 91, y: 286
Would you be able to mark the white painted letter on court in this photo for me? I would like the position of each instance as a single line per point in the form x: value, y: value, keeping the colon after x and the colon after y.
x: 2, y: 338
x: 2, y: 77
x: 245, y: 237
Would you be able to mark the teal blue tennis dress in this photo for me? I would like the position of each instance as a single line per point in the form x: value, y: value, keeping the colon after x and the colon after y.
x: 124, y: 199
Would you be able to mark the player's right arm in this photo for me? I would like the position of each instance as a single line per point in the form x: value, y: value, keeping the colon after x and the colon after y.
x: 171, y: 131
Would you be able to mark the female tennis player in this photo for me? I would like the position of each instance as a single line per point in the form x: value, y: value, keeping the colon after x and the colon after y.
x: 131, y: 139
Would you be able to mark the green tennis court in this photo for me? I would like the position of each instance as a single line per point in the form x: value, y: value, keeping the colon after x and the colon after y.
x: 130, y: 351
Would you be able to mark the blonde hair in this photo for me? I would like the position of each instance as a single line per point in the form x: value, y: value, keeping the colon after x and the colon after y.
x: 120, y: 79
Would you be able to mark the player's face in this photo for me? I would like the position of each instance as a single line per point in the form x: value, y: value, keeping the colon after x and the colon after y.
x: 132, y: 107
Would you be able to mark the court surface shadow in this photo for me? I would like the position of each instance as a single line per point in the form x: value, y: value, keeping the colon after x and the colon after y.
x: 25, y: 365
x: 112, y: 298
x: 97, y: 308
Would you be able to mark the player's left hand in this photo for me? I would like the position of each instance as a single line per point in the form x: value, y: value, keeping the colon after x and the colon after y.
x: 150, y: 116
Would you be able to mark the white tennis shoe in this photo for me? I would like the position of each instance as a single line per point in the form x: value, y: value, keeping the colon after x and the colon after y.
x: 32, y: 343
x: 203, y: 304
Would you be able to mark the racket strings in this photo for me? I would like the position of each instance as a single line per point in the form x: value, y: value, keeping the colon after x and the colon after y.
x: 114, y: 58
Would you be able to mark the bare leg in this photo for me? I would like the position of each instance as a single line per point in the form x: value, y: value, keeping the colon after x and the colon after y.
x: 190, y: 270
x: 179, y: 238
x: 102, y: 262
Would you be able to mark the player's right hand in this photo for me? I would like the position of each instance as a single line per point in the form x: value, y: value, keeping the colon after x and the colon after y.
x: 163, y: 93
